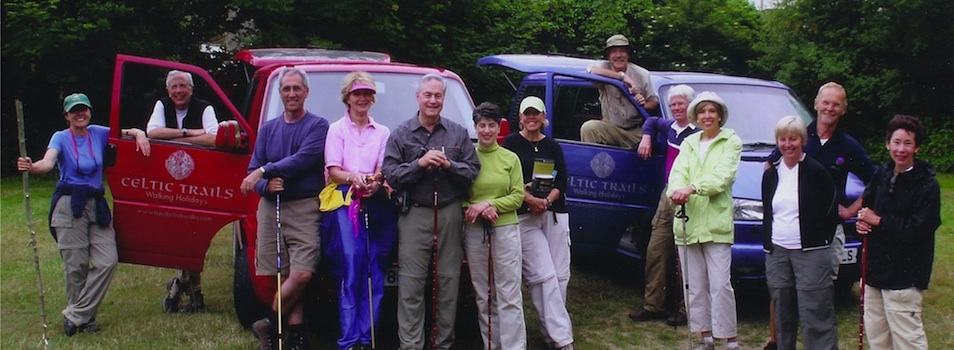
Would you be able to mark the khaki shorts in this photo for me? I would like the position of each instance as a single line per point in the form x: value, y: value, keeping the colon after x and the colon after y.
x: 299, y: 220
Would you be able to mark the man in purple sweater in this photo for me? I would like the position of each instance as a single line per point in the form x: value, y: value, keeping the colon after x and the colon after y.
x: 288, y: 165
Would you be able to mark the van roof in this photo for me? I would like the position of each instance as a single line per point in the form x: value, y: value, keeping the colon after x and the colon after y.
x: 265, y: 57
x: 576, y: 66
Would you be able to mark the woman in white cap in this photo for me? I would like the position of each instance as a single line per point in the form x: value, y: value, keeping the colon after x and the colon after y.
x: 544, y: 222
x: 80, y: 219
x: 358, y: 233
x: 701, y: 184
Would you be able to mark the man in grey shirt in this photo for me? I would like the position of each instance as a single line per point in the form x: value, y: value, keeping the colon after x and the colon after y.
x: 621, y: 122
x: 432, y: 163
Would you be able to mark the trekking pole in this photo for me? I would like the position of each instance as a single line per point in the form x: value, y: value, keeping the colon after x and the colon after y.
x: 491, y: 289
x: 681, y: 215
x: 367, y: 249
x: 28, y: 213
x: 278, y: 259
x: 435, y: 287
x: 861, y: 303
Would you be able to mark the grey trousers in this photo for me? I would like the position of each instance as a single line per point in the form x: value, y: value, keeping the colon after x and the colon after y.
x: 89, y: 259
x: 414, y: 257
x: 802, y: 292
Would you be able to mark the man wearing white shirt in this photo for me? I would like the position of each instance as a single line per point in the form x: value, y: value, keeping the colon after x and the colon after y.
x: 181, y: 117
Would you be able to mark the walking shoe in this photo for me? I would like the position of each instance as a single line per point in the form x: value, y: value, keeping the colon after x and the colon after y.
x: 770, y: 345
x: 196, y: 303
x: 69, y: 327
x: 566, y: 347
x: 171, y: 303
x: 297, y: 340
x: 646, y: 315
x: 704, y: 346
x: 262, y: 329
x: 90, y: 327
x: 677, y: 319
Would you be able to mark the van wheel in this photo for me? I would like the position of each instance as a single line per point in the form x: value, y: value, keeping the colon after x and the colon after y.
x: 247, y: 307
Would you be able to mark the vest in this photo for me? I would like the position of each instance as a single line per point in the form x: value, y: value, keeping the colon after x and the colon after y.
x: 193, y: 118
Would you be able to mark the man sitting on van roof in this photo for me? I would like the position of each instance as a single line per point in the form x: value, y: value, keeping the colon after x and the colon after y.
x: 620, y: 125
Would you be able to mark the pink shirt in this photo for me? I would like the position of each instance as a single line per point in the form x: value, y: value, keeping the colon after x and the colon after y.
x: 356, y: 149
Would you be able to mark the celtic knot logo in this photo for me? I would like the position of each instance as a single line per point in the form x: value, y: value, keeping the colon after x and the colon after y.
x: 180, y: 165
x: 602, y: 164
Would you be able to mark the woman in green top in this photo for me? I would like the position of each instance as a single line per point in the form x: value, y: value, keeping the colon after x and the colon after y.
x: 492, y: 236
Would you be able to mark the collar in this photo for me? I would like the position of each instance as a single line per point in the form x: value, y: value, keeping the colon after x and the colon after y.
x: 371, y: 123
x: 416, y: 122
x: 488, y: 149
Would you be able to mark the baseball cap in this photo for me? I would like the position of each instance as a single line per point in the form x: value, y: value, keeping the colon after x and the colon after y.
x: 360, y: 85
x: 532, y: 102
x: 74, y: 100
x: 616, y: 40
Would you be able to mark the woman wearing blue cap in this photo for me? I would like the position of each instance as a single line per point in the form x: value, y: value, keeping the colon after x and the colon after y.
x: 80, y: 219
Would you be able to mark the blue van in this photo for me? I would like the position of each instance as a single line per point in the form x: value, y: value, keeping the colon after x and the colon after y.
x: 612, y: 193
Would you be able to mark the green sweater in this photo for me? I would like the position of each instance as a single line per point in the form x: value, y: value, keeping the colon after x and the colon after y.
x: 500, y: 182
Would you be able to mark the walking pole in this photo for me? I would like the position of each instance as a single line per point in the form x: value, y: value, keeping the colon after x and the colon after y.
x: 681, y: 214
x: 367, y: 249
x: 861, y: 304
x: 491, y: 289
x: 28, y: 213
x: 278, y: 259
x: 435, y: 287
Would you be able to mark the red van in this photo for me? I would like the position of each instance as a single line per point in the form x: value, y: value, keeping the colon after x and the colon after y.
x: 168, y: 207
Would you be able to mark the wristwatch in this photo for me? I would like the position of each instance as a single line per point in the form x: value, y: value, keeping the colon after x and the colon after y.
x: 622, y: 75
x: 184, y: 132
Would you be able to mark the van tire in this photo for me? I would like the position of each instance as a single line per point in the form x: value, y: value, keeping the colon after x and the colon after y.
x: 247, y: 307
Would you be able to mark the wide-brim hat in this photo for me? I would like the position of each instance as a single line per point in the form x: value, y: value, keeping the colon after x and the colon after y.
x: 708, y: 96
x: 74, y: 100
x: 617, y: 40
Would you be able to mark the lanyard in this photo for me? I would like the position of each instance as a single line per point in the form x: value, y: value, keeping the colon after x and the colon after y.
x: 76, y: 153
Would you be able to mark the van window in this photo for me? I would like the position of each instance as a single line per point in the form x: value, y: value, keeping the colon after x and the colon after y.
x: 144, y: 85
x: 395, y: 100
x: 574, y: 105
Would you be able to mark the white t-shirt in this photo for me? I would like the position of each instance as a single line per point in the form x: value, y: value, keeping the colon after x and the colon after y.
x: 704, y: 147
x: 785, y: 227
x: 158, y: 119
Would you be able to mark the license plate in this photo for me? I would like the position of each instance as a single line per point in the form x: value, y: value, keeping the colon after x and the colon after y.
x: 391, y: 277
x: 848, y: 256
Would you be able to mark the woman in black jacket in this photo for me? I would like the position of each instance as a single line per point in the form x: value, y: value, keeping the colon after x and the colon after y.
x: 800, y: 213
x: 901, y: 210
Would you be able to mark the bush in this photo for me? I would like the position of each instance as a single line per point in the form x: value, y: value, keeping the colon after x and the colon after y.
x: 937, y: 150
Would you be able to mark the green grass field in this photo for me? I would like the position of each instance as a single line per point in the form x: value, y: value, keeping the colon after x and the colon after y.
x: 601, y: 295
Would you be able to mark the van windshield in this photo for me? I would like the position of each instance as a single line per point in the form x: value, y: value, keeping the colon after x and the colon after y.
x: 395, y: 99
x: 753, y: 110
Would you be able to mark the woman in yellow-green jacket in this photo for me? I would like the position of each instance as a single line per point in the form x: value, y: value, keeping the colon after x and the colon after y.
x: 701, y: 183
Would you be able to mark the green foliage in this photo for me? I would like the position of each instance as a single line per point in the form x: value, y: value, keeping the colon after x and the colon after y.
x: 891, y: 56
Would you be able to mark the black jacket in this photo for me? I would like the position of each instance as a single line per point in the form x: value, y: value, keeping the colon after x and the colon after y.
x: 901, y: 248
x: 817, y: 204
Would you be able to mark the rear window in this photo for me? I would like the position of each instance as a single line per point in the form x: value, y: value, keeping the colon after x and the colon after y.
x: 395, y: 100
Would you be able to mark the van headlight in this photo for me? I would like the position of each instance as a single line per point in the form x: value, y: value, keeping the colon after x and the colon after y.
x: 747, y: 209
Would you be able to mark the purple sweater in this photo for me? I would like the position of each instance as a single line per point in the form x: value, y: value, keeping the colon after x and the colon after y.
x: 294, y: 152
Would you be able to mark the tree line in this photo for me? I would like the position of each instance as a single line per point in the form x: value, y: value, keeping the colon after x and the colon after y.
x: 892, y: 56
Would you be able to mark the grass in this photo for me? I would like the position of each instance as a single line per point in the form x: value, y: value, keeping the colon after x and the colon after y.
x: 601, y: 295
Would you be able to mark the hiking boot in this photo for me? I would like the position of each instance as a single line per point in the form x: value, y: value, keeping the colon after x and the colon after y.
x: 196, y: 303
x: 69, y: 327
x: 171, y: 303
x: 770, y: 345
x: 566, y: 347
x: 704, y: 346
x: 677, y: 319
x: 262, y: 329
x: 646, y: 315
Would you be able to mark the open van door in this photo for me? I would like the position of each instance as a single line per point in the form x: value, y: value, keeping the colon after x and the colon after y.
x: 169, y: 206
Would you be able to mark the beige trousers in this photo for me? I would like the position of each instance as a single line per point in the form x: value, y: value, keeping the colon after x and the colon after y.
x: 893, y: 319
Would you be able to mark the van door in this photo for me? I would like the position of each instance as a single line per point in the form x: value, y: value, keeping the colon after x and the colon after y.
x: 612, y: 193
x: 168, y: 206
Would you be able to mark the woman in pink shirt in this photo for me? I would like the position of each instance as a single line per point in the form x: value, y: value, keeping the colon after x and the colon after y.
x: 359, y: 235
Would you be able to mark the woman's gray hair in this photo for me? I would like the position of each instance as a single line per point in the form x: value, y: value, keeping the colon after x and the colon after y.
x: 174, y: 73
x: 292, y: 70
x: 681, y: 90
x: 431, y: 76
x: 791, y: 125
